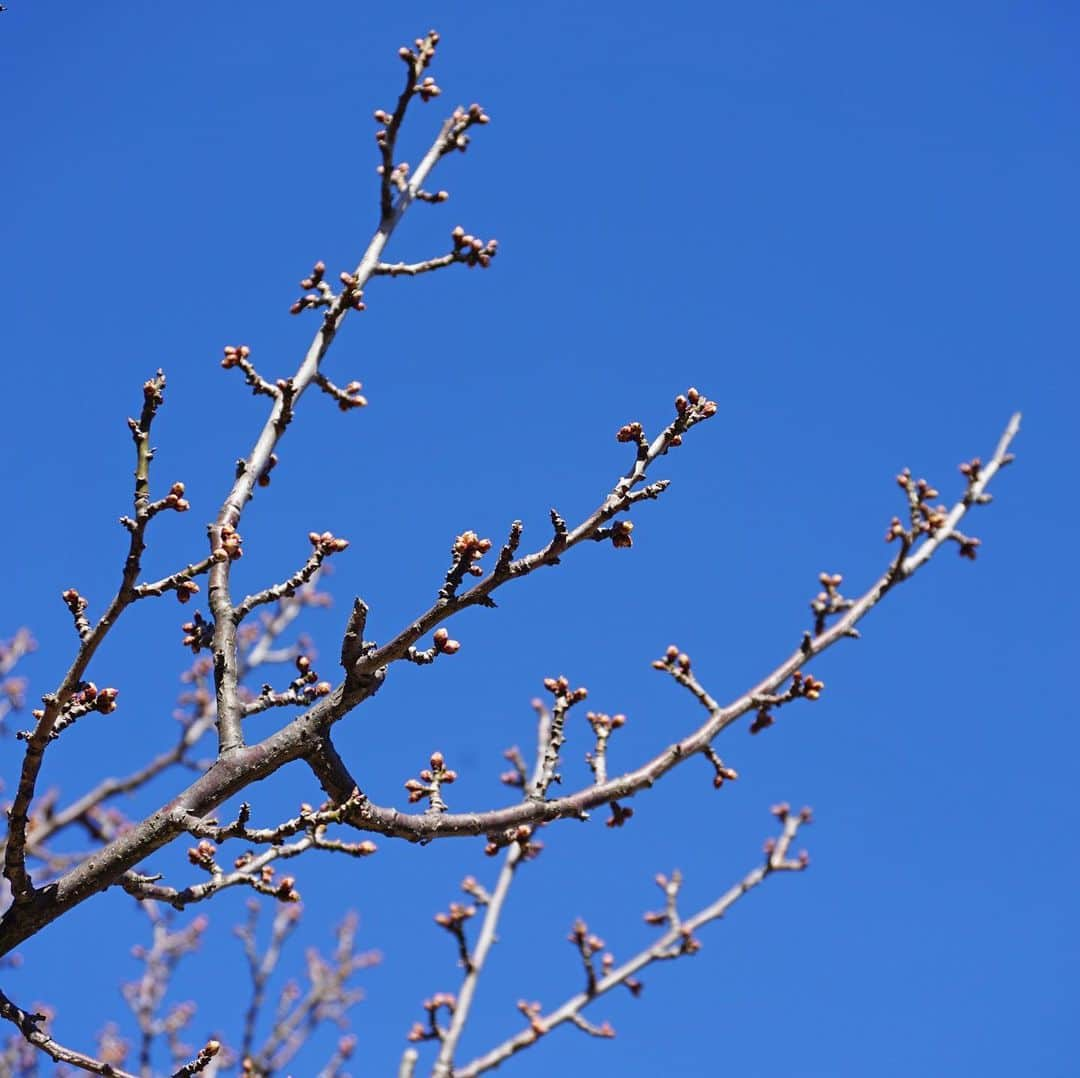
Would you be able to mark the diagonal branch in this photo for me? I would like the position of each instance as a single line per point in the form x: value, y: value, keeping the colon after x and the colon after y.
x: 390, y: 821
x: 621, y: 497
x: 677, y: 941
x: 90, y: 639
x: 29, y: 1026
x: 305, y: 737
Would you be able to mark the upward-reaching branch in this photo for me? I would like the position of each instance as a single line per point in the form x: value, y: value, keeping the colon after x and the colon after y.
x: 287, y: 392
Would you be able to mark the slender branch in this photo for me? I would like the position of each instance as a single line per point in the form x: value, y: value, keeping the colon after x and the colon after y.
x: 677, y: 941
x: 230, y: 712
x: 324, y: 544
x: 493, y: 907
x: 90, y: 640
x: 182, y: 582
x: 620, y: 498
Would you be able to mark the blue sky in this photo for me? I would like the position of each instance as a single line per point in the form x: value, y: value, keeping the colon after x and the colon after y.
x: 853, y: 225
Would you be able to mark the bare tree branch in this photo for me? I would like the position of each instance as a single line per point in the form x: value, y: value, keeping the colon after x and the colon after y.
x: 677, y: 940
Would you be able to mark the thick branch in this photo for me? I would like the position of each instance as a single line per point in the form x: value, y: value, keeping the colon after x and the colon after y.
x: 305, y: 735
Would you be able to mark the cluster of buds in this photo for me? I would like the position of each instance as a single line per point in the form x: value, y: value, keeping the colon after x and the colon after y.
x: 104, y: 700
x: 425, y: 50
x: 522, y: 835
x: 619, y: 814
x: 88, y: 697
x: 634, y: 432
x: 77, y: 604
x: 828, y: 601
x: 806, y: 686
x: 315, y: 278
x: 587, y: 944
x: 453, y: 920
x: 674, y: 660
x: 204, y: 856
x: 398, y: 173
x: 205, y: 1057
x: 308, y: 680
x: 426, y: 89
x: 351, y: 284
x: 723, y: 772
x: 326, y: 543
x: 472, y: 250
x: 198, y: 633
x: 175, y: 499
x: 317, y: 292
x: 560, y: 688
x: 690, y: 408
x: 430, y: 783
x: 231, y: 543
x: 351, y: 397
x: 802, y: 686
x: 468, y: 547
x: 926, y: 518
x: 443, y: 643
x: 284, y: 890
x: 430, y: 1032
x: 235, y: 355
x: 455, y: 917
x: 533, y: 1012
x: 782, y: 811
x: 463, y: 119
x: 302, y: 690
x: 152, y: 390
x: 603, y: 724
x: 971, y: 470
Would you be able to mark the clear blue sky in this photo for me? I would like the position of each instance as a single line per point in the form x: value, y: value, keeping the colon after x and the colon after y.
x: 854, y: 225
